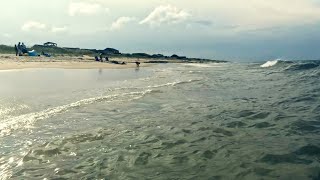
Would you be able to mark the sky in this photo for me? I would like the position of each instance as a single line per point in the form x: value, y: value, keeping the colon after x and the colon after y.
x: 246, y: 30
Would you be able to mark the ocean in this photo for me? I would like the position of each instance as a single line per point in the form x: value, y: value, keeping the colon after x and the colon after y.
x: 170, y: 121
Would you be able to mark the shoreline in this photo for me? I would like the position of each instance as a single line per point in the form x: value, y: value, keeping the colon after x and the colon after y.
x: 65, y: 65
x: 11, y: 62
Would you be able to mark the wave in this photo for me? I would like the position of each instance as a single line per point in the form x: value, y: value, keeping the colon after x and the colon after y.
x: 205, y: 65
x: 275, y: 62
x: 292, y: 65
x: 269, y: 63
x: 174, y: 83
x: 25, y: 120
x: 303, y: 66
x: 13, y: 123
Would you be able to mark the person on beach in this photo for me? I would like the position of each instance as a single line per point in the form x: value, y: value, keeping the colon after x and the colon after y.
x: 137, y: 63
x: 45, y: 54
x: 16, y: 49
x: 24, y: 48
x: 19, y: 49
x: 101, y: 58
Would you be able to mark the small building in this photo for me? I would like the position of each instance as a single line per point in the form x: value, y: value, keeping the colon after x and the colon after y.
x: 50, y: 44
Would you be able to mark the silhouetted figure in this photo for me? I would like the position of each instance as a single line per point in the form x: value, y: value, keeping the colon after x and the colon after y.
x: 101, y: 57
x: 16, y: 49
x: 24, y: 48
x: 137, y: 63
x: 107, y: 59
x: 19, y: 49
x: 96, y: 58
x: 114, y: 62
x: 45, y: 54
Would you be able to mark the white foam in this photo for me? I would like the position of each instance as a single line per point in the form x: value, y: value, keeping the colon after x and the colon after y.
x: 204, y: 65
x: 8, y: 125
x: 26, y: 120
x: 270, y: 63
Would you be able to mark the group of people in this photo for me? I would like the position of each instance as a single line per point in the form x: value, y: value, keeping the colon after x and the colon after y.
x: 20, y: 49
x: 100, y: 58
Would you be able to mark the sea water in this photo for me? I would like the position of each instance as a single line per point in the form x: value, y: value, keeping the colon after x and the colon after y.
x: 176, y: 121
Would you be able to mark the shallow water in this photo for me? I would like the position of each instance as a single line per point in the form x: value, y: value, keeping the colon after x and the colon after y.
x: 190, y: 121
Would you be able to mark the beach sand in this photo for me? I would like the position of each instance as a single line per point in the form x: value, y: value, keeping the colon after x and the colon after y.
x: 9, y: 61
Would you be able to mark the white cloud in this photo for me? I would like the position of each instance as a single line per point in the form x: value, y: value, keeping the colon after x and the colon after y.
x: 120, y: 22
x: 38, y: 26
x: 107, y: 10
x: 270, y: 13
x: 165, y: 15
x: 85, y: 8
x: 257, y: 14
x: 7, y: 35
x: 33, y: 25
x: 58, y: 29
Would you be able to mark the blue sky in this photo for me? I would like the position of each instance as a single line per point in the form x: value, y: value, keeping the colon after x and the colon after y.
x: 217, y: 29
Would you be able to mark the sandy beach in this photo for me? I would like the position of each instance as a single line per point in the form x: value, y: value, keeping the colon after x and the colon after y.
x: 9, y: 61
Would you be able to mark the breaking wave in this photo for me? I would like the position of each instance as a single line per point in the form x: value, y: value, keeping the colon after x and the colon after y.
x: 269, y: 63
x: 275, y: 62
x: 292, y: 65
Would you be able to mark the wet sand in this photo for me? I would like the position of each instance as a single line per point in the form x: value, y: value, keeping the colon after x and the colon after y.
x: 8, y: 62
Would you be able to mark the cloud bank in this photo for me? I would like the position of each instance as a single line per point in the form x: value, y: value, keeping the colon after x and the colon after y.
x: 85, y: 8
x: 59, y: 29
x: 7, y: 35
x: 120, y: 22
x: 165, y: 15
x: 33, y: 25
x: 259, y: 14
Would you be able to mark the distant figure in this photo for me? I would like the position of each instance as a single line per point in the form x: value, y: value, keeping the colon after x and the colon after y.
x: 101, y: 57
x: 96, y: 58
x: 123, y: 63
x: 16, y: 49
x: 24, y: 48
x: 107, y: 59
x: 114, y: 62
x: 19, y: 49
x: 137, y: 63
x: 45, y: 54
